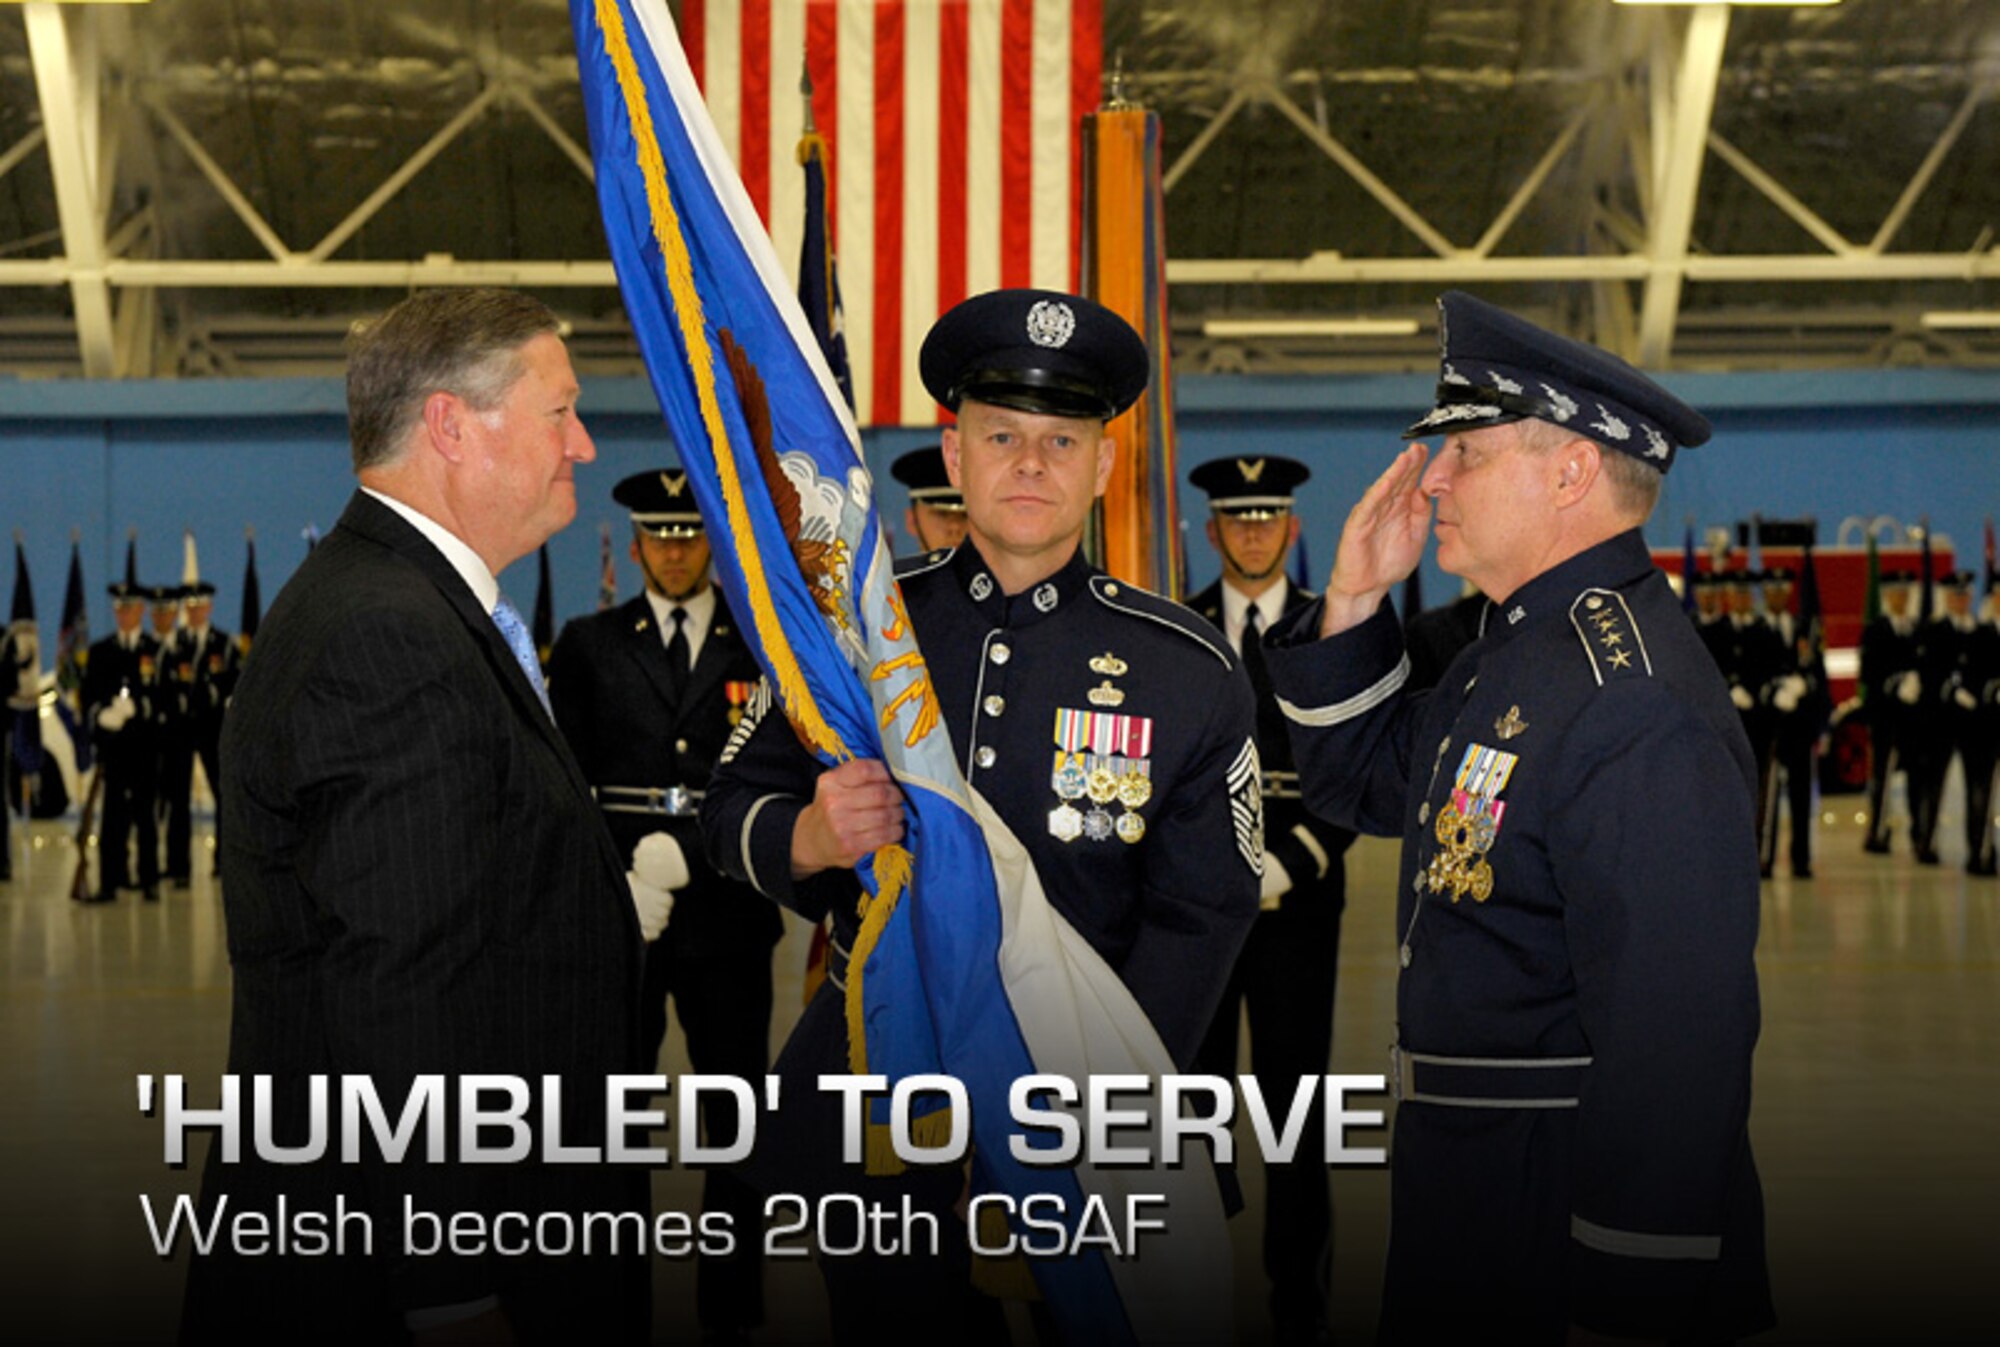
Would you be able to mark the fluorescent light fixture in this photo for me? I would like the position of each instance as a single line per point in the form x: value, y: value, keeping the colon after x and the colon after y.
x: 1795, y: 4
x: 1309, y: 327
x: 1960, y: 320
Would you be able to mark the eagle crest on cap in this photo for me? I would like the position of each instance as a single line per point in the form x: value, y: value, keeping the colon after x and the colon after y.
x: 1051, y: 323
x: 1251, y: 468
x: 671, y: 486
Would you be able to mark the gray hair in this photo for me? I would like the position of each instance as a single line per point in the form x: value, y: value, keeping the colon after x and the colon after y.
x: 1635, y: 484
x: 465, y: 342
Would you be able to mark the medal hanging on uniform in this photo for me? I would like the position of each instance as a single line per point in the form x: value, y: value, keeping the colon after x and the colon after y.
x: 1135, y: 779
x: 1103, y: 781
x: 1469, y: 825
x: 1069, y: 778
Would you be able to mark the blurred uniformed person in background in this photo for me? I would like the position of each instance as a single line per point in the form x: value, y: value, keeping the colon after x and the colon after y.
x: 1800, y: 704
x: 20, y: 694
x: 1957, y: 662
x: 1890, y: 688
x: 1982, y: 759
x: 1048, y: 673
x: 198, y: 669
x: 1751, y: 656
x: 647, y: 695
x: 1578, y: 895
x: 1285, y: 975
x: 120, y: 681
x: 173, y: 740
x: 935, y: 516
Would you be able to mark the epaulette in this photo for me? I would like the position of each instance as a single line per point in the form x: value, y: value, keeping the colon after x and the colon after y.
x: 927, y: 561
x: 1610, y: 636
x: 1154, y: 608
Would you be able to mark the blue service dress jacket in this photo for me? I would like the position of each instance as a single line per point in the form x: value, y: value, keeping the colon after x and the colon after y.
x: 1577, y: 909
x: 1079, y: 670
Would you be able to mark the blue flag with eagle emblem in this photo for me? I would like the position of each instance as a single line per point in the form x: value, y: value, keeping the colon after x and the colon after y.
x: 961, y: 966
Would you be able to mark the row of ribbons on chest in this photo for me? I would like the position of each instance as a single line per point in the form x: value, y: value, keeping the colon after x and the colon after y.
x: 1469, y: 824
x: 1101, y: 758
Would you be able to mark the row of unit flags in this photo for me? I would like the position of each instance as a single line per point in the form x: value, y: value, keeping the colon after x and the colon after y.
x: 961, y: 965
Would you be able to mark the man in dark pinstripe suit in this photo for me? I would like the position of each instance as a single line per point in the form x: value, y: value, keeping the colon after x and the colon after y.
x: 419, y: 880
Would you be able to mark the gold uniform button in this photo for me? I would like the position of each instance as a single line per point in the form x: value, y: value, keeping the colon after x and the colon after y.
x: 1000, y: 653
x: 680, y: 745
x: 996, y: 705
x: 986, y: 757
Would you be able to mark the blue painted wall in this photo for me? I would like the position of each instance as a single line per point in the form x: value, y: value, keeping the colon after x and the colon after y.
x: 216, y: 456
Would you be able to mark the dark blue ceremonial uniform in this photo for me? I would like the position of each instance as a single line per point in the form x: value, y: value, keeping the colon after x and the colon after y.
x: 1888, y: 653
x: 1794, y: 742
x: 126, y: 758
x: 1577, y: 910
x: 1286, y: 977
x: 1164, y: 890
x: 198, y: 673
x: 1959, y: 660
x: 647, y: 747
x: 1166, y: 901
x: 1752, y: 658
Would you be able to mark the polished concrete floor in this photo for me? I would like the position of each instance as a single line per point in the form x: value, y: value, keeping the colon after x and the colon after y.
x: 1876, y: 1116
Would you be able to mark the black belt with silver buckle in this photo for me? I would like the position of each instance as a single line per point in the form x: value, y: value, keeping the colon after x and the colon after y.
x: 671, y: 801
x: 1486, y: 1082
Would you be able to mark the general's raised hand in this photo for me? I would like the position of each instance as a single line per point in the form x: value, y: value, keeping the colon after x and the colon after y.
x: 1381, y: 542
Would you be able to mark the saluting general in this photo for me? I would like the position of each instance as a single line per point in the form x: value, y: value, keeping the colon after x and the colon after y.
x: 1108, y: 727
x: 1578, y: 895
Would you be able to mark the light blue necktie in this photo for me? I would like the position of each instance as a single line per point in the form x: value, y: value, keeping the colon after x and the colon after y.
x: 515, y: 632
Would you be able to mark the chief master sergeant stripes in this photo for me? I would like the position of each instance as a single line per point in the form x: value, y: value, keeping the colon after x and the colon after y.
x: 1578, y: 894
x: 647, y: 694
x: 1109, y: 728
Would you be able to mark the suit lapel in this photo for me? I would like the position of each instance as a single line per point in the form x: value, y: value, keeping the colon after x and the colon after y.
x: 377, y: 522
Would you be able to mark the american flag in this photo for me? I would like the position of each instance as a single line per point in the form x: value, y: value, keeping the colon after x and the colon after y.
x: 952, y: 132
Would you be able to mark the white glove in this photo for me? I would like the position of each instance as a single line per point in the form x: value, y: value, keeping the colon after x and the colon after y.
x: 113, y: 717
x: 1741, y: 698
x: 653, y: 905
x: 659, y: 861
x: 1965, y: 699
x: 1277, y: 882
x: 1790, y: 688
x: 1908, y: 689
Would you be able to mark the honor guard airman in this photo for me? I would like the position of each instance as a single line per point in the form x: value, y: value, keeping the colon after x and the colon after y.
x: 1957, y: 658
x: 647, y: 694
x: 173, y: 741
x: 1578, y: 894
x: 1982, y: 758
x: 1285, y: 975
x: 199, y: 665
x: 1891, y: 687
x: 1752, y: 658
x: 120, y: 682
x: 1800, y: 704
x: 20, y: 694
x: 935, y: 516
x: 1110, y: 729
